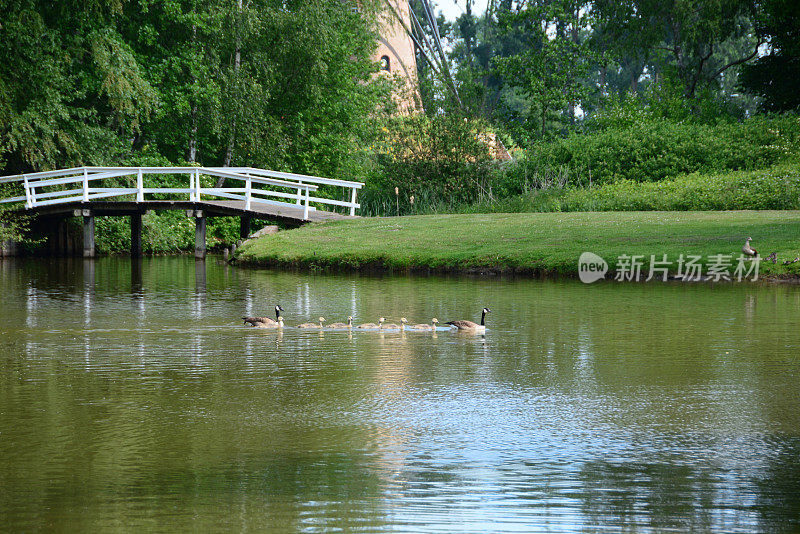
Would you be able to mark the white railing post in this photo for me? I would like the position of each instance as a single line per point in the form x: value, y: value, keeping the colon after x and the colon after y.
x: 191, y: 186
x: 353, y: 201
x: 85, y: 185
x: 29, y: 199
x: 247, y: 192
x: 305, y: 209
x: 299, y: 194
x: 139, y: 186
x: 197, y: 184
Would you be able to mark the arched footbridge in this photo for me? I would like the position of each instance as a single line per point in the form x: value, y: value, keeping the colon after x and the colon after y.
x: 244, y: 192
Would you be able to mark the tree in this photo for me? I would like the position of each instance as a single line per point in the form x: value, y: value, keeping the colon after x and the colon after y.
x: 774, y: 76
x: 71, y: 90
x: 692, y: 34
x: 554, y: 60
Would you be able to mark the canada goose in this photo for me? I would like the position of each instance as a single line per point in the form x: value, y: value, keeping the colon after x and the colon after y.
x: 748, y: 250
x: 266, y: 322
x: 372, y: 325
x: 392, y: 326
x: 424, y: 326
x: 313, y: 325
x: 348, y: 324
x: 469, y: 326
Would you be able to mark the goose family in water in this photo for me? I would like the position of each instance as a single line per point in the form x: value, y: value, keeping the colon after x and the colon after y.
x: 461, y: 325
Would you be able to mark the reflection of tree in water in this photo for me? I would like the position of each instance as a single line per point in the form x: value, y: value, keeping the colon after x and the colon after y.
x: 650, y: 495
x: 778, y: 492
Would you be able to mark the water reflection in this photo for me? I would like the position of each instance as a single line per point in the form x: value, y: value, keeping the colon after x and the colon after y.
x: 132, y: 393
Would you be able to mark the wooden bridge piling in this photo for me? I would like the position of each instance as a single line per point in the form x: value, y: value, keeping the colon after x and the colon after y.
x: 88, y: 234
x: 136, y: 235
x: 199, y: 235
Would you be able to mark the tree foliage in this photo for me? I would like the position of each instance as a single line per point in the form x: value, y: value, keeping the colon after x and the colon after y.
x: 278, y: 84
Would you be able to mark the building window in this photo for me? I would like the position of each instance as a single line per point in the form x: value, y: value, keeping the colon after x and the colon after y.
x: 385, y: 63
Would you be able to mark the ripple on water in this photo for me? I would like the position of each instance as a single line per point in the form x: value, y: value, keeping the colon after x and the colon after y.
x: 641, y: 408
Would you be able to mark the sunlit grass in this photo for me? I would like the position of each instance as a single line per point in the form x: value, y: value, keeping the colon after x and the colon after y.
x: 528, y: 242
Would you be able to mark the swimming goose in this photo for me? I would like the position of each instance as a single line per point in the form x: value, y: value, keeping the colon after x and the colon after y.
x: 348, y: 324
x: 313, y: 325
x: 392, y: 326
x: 266, y: 322
x: 469, y: 326
x: 424, y: 326
x: 372, y: 325
x: 748, y: 250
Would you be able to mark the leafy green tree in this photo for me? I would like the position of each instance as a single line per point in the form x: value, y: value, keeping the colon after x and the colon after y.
x: 554, y: 60
x: 71, y: 90
x: 773, y: 77
x: 683, y: 38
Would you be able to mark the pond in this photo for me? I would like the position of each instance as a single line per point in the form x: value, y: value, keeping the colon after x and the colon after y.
x: 132, y: 397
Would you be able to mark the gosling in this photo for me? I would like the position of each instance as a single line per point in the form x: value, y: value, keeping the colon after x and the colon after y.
x: 348, y: 324
x: 373, y: 326
x: 424, y: 326
x: 312, y: 325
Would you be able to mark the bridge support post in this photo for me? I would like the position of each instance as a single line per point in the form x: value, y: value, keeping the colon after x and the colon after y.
x: 8, y: 247
x: 199, y: 235
x: 136, y: 235
x: 88, y: 234
x: 244, y: 226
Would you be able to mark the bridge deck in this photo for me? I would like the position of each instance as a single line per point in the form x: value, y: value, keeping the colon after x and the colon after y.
x: 211, y: 208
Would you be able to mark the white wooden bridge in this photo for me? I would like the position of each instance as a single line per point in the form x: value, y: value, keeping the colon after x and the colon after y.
x: 253, y: 193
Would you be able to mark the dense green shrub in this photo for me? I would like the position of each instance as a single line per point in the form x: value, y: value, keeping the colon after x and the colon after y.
x: 656, y: 150
x: 433, y: 160
x: 776, y: 188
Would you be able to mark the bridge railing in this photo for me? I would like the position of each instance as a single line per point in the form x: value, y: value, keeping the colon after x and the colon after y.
x: 306, y: 179
x: 257, y: 185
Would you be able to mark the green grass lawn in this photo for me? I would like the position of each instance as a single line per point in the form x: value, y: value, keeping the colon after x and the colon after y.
x: 528, y: 242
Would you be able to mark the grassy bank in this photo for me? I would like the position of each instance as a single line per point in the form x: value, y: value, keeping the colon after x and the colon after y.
x: 535, y: 243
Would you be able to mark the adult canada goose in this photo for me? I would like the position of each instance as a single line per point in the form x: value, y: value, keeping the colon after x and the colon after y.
x: 424, y: 326
x: 348, y: 324
x: 266, y: 322
x: 372, y: 325
x: 313, y: 325
x: 469, y: 326
x: 748, y: 250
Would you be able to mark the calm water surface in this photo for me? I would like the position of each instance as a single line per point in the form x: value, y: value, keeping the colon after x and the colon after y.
x: 132, y: 398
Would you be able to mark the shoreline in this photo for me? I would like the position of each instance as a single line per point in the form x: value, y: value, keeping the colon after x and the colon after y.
x: 378, y: 269
x: 541, y: 245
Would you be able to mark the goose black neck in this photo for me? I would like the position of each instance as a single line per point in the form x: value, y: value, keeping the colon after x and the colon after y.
x: 277, y: 313
x: 483, y: 318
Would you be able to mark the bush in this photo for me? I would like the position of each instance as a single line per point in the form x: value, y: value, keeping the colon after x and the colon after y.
x: 437, y: 161
x: 776, y: 188
x: 657, y: 150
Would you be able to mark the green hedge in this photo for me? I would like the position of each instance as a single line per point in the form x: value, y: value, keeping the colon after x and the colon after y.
x: 776, y: 188
x: 657, y: 150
